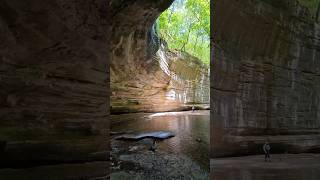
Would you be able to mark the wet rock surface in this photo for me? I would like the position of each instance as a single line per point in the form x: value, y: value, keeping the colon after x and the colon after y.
x: 281, y: 167
x: 139, y: 163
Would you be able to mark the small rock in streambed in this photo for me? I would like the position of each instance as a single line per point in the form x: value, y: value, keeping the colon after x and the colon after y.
x: 135, y: 148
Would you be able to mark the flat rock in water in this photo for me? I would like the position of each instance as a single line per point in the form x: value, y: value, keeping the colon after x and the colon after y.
x: 155, y: 134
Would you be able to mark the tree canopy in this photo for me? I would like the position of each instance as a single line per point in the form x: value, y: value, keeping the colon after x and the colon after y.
x: 185, y: 26
x: 312, y: 5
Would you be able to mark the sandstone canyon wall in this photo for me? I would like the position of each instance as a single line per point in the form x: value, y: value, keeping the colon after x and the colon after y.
x: 54, y: 84
x: 265, y: 77
x: 145, y: 76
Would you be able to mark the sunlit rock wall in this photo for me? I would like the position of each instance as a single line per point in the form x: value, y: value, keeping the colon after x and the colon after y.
x: 176, y: 81
x: 189, y: 79
x: 144, y: 75
x: 266, y: 77
x: 53, y: 84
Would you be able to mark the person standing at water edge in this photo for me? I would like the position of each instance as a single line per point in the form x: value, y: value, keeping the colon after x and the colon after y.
x: 153, y: 146
x: 193, y: 108
x: 266, y: 149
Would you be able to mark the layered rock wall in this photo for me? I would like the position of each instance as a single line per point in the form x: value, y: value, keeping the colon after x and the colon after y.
x: 265, y: 77
x: 178, y: 80
x: 189, y: 79
x: 144, y: 75
x: 53, y: 82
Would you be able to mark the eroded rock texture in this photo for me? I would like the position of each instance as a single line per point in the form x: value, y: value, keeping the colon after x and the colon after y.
x: 266, y: 77
x: 176, y: 81
x: 145, y: 76
x: 53, y: 82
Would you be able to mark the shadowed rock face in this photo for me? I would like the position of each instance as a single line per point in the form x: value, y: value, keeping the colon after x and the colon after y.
x: 54, y: 75
x: 53, y: 82
x: 266, y: 77
x: 145, y: 76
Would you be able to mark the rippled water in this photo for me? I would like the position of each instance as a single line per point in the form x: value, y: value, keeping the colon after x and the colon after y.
x: 191, y: 129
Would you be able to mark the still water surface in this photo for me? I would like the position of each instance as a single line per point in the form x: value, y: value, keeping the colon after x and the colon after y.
x: 191, y: 129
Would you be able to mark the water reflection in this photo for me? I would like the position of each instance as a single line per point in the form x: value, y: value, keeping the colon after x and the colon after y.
x: 191, y: 129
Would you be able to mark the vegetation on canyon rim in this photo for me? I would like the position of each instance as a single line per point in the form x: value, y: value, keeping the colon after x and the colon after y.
x: 313, y: 5
x: 185, y: 26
